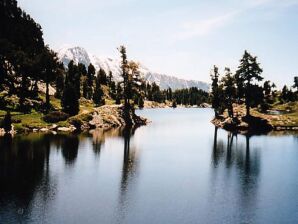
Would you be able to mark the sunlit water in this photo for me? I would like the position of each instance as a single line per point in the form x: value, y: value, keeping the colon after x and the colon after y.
x: 178, y: 169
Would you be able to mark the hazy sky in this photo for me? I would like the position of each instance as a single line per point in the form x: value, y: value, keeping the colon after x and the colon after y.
x: 184, y: 38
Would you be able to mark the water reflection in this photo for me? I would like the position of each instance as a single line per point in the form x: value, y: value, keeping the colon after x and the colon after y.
x: 70, y: 147
x: 99, y: 137
x: 24, y: 167
x: 122, y: 176
x: 129, y: 171
x: 237, y: 153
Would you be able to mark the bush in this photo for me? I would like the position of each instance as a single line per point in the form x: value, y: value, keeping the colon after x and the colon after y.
x: 264, y: 107
x: 55, y: 116
x: 7, y: 122
x: 76, y: 122
x: 174, y: 104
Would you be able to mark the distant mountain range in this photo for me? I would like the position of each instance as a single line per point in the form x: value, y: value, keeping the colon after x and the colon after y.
x: 80, y: 55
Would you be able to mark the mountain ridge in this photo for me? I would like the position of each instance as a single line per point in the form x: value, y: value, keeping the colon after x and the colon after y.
x: 80, y: 55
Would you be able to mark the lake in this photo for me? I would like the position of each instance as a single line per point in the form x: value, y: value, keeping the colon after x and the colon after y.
x: 178, y: 169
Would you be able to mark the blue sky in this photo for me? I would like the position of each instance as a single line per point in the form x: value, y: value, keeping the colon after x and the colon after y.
x: 184, y: 38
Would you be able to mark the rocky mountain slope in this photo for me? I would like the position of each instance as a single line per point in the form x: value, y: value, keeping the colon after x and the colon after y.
x: 80, y: 55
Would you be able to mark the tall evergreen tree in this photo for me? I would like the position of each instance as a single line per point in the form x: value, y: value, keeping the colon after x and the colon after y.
x: 119, y: 93
x: 60, y: 81
x: 49, y: 64
x: 126, y: 77
x: 98, y: 93
x: 229, y: 91
x: 70, y: 102
x: 102, y: 77
x: 249, y: 71
x: 215, y: 91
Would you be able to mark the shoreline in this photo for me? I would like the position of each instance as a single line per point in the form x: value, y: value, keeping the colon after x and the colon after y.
x: 258, y: 123
x: 104, y: 118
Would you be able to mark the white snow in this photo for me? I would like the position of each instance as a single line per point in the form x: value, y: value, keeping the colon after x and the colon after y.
x: 80, y: 55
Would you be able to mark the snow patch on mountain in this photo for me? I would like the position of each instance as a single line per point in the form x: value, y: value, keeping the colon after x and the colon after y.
x: 80, y: 55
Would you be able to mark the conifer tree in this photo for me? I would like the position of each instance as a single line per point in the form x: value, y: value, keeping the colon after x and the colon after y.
x: 125, y: 76
x: 102, y: 76
x: 70, y: 102
x: 98, y: 93
x: 74, y: 77
x: 60, y: 81
x: 249, y: 71
x: 49, y: 63
x: 229, y: 91
x: 119, y: 93
x: 90, y: 78
x: 215, y: 91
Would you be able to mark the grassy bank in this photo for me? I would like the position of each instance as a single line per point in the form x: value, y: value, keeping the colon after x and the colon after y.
x: 288, y: 116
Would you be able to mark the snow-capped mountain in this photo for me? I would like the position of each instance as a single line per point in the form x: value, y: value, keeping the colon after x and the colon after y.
x: 80, y: 55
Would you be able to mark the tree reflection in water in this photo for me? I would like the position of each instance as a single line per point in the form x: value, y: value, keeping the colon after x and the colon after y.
x: 99, y: 137
x: 24, y: 170
x: 129, y: 169
x: 70, y: 147
x: 236, y: 154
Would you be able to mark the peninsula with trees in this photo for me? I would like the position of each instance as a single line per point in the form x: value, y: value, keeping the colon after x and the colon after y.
x: 243, y: 103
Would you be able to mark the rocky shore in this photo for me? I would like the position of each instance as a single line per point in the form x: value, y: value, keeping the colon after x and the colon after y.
x: 244, y: 125
x: 259, y: 123
x: 104, y: 117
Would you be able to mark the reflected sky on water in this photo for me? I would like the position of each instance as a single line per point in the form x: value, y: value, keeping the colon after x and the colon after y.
x: 178, y: 169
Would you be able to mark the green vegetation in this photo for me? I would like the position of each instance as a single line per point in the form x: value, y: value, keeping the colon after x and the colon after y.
x: 234, y: 91
x: 27, y: 65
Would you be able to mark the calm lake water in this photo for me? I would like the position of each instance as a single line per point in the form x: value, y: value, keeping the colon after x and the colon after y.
x: 178, y: 169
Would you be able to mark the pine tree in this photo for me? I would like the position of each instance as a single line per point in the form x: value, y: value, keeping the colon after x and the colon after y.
x: 125, y: 76
x: 70, y: 102
x: 229, y: 91
x: 249, y: 71
x: 49, y: 62
x: 60, y: 81
x: 85, y: 87
x: 110, y: 78
x: 215, y: 91
x: 90, y: 78
x: 119, y: 93
x: 102, y: 76
x: 74, y: 77
x: 98, y: 93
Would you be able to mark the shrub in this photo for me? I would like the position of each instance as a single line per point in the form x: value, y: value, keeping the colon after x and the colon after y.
x: 7, y: 122
x: 55, y: 116
x: 174, y: 104
x: 77, y: 122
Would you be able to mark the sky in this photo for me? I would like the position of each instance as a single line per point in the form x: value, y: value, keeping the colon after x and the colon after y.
x: 184, y: 38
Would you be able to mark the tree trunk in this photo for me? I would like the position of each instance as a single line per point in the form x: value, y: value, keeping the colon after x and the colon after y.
x: 247, y: 110
x: 22, y: 93
x: 47, y: 97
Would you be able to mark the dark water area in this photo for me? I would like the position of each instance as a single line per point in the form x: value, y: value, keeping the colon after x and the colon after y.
x: 178, y: 169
